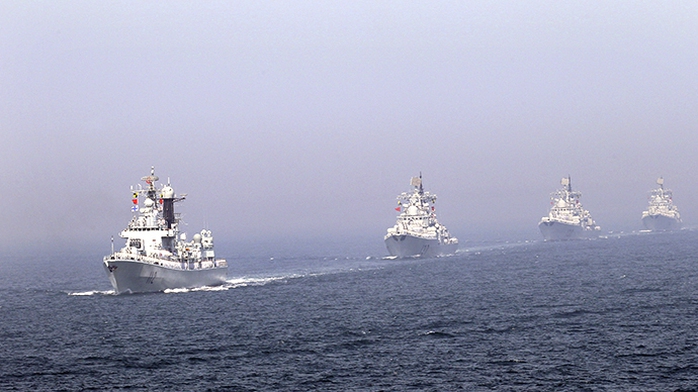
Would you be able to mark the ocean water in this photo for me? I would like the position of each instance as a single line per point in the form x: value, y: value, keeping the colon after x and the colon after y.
x: 613, y: 314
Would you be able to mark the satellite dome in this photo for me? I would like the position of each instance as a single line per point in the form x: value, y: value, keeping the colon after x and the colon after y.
x: 167, y: 192
x: 197, y: 238
x: 148, y: 202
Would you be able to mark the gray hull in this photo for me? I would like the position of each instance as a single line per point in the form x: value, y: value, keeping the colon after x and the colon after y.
x: 660, y: 223
x: 409, y: 246
x: 557, y: 231
x: 130, y: 276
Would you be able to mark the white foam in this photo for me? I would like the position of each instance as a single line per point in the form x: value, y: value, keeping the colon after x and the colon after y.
x: 92, y: 292
x: 175, y: 291
x: 211, y: 288
x: 235, y: 283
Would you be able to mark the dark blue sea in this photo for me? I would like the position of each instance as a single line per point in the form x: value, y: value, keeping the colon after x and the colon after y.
x: 618, y: 313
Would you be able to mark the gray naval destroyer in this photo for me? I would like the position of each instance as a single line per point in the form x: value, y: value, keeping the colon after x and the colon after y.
x: 661, y: 214
x: 156, y: 256
x: 567, y: 218
x: 417, y: 233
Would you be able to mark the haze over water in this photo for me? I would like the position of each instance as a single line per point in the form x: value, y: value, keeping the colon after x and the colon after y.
x: 299, y: 119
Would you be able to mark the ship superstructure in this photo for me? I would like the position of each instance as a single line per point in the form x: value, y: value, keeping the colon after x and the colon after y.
x: 661, y: 214
x: 417, y: 232
x: 567, y: 218
x: 156, y: 255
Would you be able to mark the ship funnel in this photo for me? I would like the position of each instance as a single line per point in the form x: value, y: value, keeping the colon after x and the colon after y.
x: 168, y: 205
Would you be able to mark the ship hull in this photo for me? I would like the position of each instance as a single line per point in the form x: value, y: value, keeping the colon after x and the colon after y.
x: 660, y: 223
x: 132, y: 276
x: 404, y: 245
x: 559, y: 231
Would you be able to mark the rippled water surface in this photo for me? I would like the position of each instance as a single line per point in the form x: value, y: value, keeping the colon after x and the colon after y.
x: 617, y: 313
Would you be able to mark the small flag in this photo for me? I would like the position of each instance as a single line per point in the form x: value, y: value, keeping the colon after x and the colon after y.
x: 134, y: 208
x: 397, y: 208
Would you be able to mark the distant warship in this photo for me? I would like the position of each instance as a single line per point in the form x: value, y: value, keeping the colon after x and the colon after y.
x: 567, y: 219
x: 417, y: 233
x: 661, y: 213
x: 156, y: 257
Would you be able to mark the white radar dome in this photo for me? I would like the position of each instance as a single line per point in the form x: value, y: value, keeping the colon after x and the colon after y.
x: 197, y: 238
x: 167, y: 192
x: 148, y: 202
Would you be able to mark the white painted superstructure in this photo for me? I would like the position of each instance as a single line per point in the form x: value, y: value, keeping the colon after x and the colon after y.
x: 567, y: 218
x: 417, y: 232
x: 661, y: 214
x: 156, y: 256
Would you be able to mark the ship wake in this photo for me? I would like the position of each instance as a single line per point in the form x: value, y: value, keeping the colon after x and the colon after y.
x: 229, y: 284
x: 236, y: 283
x: 90, y: 292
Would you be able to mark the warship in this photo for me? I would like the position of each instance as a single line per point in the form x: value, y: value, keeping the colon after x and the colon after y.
x: 417, y: 232
x: 661, y: 214
x: 567, y: 218
x: 156, y: 256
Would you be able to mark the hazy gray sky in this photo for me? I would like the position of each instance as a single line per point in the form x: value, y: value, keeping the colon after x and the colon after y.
x: 292, y: 118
